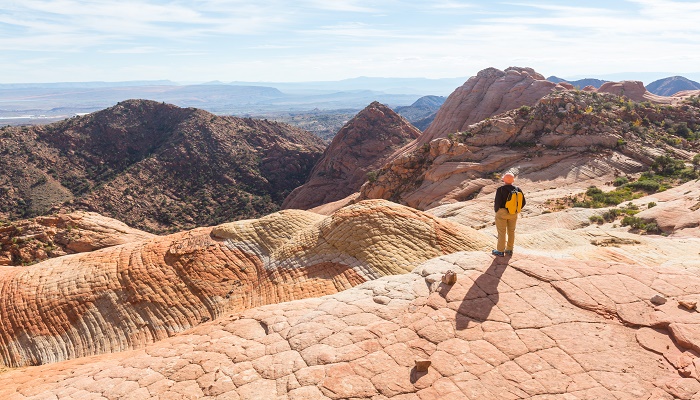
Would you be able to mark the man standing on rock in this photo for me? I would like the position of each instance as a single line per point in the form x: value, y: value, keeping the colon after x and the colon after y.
x: 507, y: 205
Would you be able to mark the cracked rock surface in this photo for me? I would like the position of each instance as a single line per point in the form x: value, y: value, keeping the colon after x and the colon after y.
x: 526, y: 327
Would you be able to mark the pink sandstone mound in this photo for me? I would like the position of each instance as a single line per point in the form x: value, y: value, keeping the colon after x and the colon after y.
x: 490, y: 92
x: 360, y: 147
x: 127, y: 296
x: 634, y: 90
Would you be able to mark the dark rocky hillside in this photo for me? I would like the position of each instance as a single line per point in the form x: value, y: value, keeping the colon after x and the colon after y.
x: 672, y: 85
x: 155, y: 166
x: 361, y: 146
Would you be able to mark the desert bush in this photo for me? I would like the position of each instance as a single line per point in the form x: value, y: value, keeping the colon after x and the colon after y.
x: 372, y: 176
x: 639, y: 223
x: 620, y: 180
x: 596, y: 219
x: 667, y: 165
x: 647, y: 185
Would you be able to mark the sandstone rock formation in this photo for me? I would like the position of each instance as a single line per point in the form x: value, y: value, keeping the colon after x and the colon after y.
x: 633, y: 90
x: 526, y: 327
x: 154, y: 166
x: 490, y: 92
x: 569, y: 137
x: 126, y: 296
x: 359, y: 148
x: 677, y: 210
x: 28, y: 241
x: 570, y: 315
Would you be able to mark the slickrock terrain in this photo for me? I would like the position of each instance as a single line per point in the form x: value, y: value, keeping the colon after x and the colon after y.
x: 360, y: 147
x: 28, y: 241
x: 526, y: 327
x: 569, y: 138
x: 154, y: 166
x: 126, y: 296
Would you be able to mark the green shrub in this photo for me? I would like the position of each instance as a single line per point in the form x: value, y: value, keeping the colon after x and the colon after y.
x: 667, y: 165
x: 651, y: 204
x: 639, y: 223
x: 646, y: 185
x: 372, y: 176
x: 620, y: 180
x: 596, y: 219
x: 611, y: 215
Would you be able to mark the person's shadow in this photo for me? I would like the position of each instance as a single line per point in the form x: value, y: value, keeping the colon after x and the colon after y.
x: 482, y: 296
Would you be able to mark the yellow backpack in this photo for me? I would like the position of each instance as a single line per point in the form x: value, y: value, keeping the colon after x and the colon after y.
x: 514, y: 202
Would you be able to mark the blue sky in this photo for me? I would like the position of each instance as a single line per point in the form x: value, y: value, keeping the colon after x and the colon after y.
x: 204, y: 40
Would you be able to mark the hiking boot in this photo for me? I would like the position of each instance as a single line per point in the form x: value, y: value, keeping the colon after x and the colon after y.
x: 508, y: 252
x: 497, y: 253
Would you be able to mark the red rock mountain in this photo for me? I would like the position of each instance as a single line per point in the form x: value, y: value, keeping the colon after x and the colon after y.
x: 155, y: 166
x: 568, y: 137
x: 490, y: 92
x: 360, y: 147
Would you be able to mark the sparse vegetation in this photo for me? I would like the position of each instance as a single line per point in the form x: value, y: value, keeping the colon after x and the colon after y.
x: 372, y: 176
x: 640, y: 224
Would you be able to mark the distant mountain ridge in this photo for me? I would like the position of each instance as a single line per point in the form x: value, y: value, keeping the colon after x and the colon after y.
x: 672, y: 85
x: 580, y: 83
x: 35, y: 104
x: 422, y: 112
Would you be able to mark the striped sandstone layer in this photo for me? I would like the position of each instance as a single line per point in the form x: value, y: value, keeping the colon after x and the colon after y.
x: 127, y: 296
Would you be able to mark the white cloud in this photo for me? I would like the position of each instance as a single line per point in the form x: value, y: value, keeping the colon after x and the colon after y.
x: 341, y: 5
x: 451, y: 5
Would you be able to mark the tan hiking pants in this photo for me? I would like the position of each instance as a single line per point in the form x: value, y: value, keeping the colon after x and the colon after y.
x: 505, y: 223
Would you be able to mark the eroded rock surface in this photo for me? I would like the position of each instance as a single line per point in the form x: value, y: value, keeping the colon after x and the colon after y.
x: 126, y: 296
x: 527, y: 327
x: 30, y: 241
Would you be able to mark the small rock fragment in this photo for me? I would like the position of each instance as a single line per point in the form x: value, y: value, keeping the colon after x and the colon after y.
x: 688, y: 305
x: 658, y: 300
x: 384, y: 300
x: 450, y: 278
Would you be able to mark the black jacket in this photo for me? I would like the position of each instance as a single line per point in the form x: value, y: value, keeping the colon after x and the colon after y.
x: 502, y: 195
